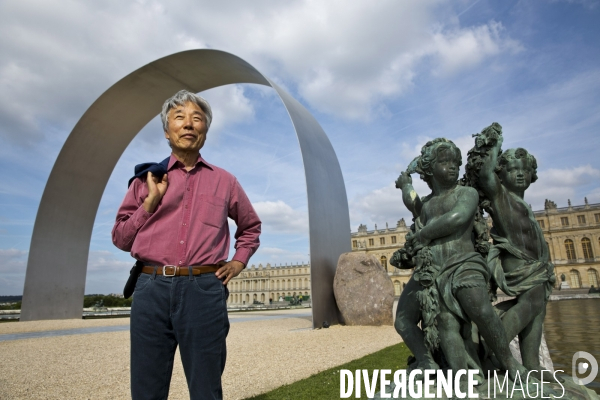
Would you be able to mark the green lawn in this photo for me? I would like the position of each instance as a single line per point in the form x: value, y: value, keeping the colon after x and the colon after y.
x: 326, y: 384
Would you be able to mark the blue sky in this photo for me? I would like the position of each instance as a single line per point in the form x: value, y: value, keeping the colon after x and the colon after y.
x: 381, y: 77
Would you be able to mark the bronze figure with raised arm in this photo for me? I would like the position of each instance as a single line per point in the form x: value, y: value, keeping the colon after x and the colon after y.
x: 519, y: 259
x: 449, y: 274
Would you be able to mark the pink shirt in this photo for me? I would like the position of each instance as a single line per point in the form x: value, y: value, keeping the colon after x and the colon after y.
x: 189, y: 225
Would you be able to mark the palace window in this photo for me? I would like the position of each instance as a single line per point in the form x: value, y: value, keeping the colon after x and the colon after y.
x: 355, y: 243
x: 564, y: 221
x: 586, y: 244
x: 581, y: 219
x: 371, y: 242
x: 384, y: 262
x: 575, y: 279
x: 397, y: 289
x: 541, y: 223
x: 570, y: 248
x: 593, y: 277
x: 597, y: 216
x: 394, y: 237
x: 382, y: 240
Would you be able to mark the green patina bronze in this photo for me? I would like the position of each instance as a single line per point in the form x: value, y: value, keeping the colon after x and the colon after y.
x: 449, y: 287
x: 519, y: 257
x: 457, y: 270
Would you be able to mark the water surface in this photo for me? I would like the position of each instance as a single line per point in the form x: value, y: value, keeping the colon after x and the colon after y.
x: 571, y: 326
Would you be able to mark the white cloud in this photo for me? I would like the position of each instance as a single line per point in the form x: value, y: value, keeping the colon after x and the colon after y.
x: 465, y: 48
x: 385, y: 204
x: 106, y: 273
x: 400, y: 66
x: 560, y: 185
x: 382, y: 206
x: 13, y: 264
x: 278, y: 256
x: 279, y: 217
x: 343, y: 58
x: 229, y: 106
x: 570, y: 177
x: 103, y: 260
x: 13, y: 260
x: 594, y: 195
x: 346, y: 58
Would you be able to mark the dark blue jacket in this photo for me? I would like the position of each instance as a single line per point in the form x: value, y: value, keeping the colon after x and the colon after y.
x: 157, y: 169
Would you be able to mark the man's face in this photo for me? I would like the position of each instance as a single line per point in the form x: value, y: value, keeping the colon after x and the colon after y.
x: 445, y: 167
x: 187, y: 127
x: 516, y: 175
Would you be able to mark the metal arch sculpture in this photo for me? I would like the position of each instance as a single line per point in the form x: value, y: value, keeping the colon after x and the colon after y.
x: 58, y: 256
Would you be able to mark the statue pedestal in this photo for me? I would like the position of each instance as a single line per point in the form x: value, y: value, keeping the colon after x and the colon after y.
x: 564, y: 285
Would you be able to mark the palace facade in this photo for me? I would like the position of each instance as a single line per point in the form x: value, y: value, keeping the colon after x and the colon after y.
x: 573, y: 237
x: 269, y: 283
x: 572, y: 234
x: 382, y: 243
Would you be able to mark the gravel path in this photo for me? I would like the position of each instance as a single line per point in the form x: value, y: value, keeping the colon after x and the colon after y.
x: 262, y: 354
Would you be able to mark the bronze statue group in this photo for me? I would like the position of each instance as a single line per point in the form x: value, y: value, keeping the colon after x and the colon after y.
x: 445, y: 313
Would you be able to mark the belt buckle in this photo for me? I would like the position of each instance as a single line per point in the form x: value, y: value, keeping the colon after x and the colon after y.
x: 165, y: 270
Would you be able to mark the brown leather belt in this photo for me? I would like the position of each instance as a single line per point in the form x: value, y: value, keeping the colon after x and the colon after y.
x: 174, y: 270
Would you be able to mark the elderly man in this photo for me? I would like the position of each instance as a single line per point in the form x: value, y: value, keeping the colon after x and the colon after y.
x: 177, y: 225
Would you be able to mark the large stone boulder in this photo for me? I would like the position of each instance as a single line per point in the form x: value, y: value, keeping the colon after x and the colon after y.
x: 363, y: 290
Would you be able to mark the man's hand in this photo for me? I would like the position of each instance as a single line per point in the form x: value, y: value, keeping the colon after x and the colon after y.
x: 229, y: 270
x: 156, y: 191
x: 403, y: 180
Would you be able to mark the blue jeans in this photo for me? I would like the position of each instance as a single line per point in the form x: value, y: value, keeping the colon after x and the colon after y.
x: 189, y: 311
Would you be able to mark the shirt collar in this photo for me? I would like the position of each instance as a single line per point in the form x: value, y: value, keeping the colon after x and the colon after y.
x: 173, y: 160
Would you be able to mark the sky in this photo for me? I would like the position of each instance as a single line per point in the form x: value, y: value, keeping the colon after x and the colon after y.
x: 382, y: 78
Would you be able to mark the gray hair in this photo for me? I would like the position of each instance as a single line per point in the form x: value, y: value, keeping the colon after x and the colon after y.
x: 179, y: 99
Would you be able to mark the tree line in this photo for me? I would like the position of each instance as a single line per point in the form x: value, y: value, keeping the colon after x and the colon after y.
x: 89, y: 300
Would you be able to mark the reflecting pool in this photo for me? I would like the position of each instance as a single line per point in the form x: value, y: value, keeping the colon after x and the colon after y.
x: 571, y: 326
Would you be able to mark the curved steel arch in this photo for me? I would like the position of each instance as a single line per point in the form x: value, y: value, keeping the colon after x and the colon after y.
x: 58, y: 256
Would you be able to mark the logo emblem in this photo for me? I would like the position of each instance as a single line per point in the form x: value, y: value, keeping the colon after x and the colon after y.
x: 590, y: 365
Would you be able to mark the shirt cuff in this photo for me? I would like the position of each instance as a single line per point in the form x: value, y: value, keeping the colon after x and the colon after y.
x: 242, y: 255
x: 139, y: 217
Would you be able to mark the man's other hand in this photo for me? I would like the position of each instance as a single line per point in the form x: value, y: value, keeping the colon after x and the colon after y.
x: 156, y: 191
x: 229, y: 271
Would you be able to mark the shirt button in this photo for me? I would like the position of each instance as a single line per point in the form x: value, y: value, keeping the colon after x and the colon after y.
x: 184, y: 224
x: 180, y: 262
x: 181, y: 242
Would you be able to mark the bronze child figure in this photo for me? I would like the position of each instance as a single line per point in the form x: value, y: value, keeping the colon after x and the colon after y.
x: 444, y: 225
x: 519, y: 259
